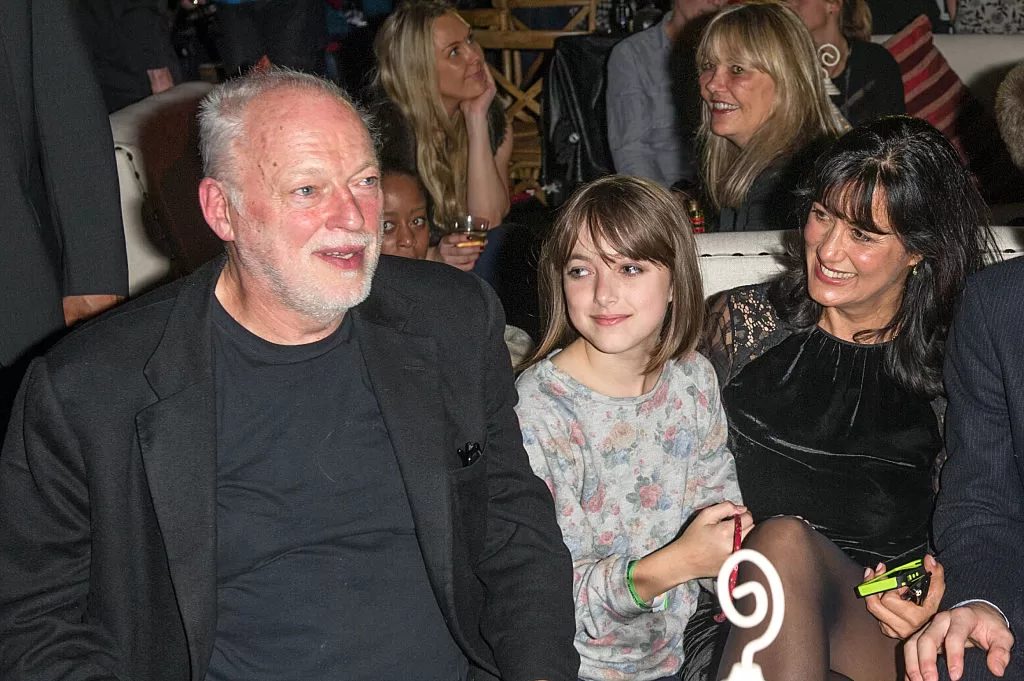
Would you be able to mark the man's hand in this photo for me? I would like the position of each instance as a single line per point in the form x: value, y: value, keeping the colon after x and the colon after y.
x: 80, y: 308
x: 970, y: 625
x: 898, y: 618
x: 160, y: 79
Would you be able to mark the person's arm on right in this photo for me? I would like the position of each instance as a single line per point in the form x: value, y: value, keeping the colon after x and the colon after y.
x: 45, y: 538
x: 628, y: 108
x: 487, y: 185
x: 979, y: 515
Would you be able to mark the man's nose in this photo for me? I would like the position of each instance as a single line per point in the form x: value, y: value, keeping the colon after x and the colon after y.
x: 344, y: 211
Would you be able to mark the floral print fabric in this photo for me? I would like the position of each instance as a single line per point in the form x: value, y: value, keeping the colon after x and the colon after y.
x: 990, y: 16
x: 626, y: 474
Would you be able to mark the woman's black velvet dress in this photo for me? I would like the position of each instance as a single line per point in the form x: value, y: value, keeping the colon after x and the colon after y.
x: 820, y: 431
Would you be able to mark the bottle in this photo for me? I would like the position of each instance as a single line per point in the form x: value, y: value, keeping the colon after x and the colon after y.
x: 622, y: 16
x: 696, y: 214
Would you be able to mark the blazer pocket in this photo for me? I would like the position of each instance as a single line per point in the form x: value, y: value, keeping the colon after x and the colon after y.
x: 470, y: 502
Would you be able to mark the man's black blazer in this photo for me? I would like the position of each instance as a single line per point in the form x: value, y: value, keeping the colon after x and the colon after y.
x: 979, y: 514
x: 60, y: 226
x: 107, y: 486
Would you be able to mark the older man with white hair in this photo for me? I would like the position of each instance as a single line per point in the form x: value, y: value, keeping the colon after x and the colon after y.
x: 300, y: 462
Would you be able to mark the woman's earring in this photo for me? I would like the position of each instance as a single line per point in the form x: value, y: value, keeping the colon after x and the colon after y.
x: 913, y: 270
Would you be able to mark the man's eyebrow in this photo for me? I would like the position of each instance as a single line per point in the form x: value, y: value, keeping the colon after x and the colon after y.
x: 372, y: 164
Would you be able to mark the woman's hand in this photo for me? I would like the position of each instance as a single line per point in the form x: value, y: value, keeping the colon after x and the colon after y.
x: 451, y: 253
x: 476, y: 109
x: 898, y: 618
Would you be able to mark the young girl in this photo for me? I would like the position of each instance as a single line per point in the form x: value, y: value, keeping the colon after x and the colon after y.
x: 625, y: 425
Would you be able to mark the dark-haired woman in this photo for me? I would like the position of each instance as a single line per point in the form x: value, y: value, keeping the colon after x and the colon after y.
x: 831, y: 380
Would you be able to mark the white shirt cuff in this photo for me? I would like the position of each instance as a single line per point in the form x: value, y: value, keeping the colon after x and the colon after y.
x: 982, y: 600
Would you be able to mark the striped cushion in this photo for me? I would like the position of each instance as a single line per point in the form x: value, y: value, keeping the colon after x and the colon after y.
x: 932, y: 90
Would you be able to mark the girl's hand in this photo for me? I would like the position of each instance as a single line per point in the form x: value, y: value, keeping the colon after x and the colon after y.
x: 707, y: 542
x: 898, y: 618
x: 449, y: 252
x: 477, y: 107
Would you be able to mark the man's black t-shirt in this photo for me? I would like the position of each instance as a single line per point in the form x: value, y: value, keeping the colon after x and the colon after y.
x: 319, y: 572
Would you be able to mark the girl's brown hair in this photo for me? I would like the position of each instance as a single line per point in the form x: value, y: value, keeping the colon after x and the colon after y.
x: 637, y: 219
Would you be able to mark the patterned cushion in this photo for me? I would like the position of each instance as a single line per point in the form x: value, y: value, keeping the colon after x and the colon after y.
x: 932, y: 89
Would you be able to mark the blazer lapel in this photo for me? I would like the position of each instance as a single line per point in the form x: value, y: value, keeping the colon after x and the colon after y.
x: 178, y: 441
x: 403, y: 371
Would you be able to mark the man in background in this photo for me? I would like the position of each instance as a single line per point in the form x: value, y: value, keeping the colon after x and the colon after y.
x: 651, y: 122
x: 130, y: 45
x: 62, y: 257
x: 289, y: 33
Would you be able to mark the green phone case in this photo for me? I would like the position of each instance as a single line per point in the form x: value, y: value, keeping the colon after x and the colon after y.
x: 892, y: 579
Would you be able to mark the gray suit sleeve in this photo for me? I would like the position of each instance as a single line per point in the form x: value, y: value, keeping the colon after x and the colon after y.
x: 979, y: 516
x: 628, y: 111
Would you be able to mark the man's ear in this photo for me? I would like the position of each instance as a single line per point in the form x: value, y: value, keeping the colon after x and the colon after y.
x: 213, y: 199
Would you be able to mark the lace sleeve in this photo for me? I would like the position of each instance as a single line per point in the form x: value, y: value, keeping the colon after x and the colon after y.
x: 716, y: 339
x: 741, y: 325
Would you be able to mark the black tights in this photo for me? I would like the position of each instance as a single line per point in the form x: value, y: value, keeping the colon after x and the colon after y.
x: 827, y: 633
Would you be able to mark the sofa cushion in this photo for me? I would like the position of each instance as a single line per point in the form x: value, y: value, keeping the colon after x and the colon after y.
x: 933, y: 91
x: 731, y: 259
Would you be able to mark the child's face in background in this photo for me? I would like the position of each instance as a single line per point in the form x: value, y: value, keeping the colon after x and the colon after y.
x: 406, y: 232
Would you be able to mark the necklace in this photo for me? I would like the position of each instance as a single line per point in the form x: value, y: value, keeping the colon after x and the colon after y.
x: 829, y: 55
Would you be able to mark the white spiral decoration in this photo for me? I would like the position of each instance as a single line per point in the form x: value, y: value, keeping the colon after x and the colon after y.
x: 745, y: 669
x: 829, y: 55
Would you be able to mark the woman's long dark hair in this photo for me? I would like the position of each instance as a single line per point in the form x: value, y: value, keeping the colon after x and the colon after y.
x: 935, y: 210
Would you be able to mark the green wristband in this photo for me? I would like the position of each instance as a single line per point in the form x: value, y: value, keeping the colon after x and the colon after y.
x: 632, y: 587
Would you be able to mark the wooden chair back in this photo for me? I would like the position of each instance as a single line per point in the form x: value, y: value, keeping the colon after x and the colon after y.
x: 498, y: 29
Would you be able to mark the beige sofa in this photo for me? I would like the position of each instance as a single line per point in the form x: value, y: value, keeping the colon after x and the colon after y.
x: 981, y: 61
x: 734, y: 259
x: 158, y: 168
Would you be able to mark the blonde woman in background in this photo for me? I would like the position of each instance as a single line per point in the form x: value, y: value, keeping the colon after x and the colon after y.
x: 866, y: 81
x: 765, y: 111
x: 442, y: 121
